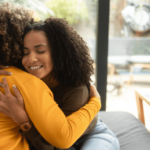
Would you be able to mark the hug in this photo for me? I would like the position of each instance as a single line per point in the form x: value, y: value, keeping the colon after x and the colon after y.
x: 46, y: 100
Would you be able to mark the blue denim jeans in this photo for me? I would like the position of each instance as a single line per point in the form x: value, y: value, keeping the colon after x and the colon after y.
x: 101, y: 138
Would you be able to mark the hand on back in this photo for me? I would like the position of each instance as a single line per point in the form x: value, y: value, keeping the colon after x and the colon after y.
x: 4, y: 72
x: 94, y: 92
x: 13, y: 106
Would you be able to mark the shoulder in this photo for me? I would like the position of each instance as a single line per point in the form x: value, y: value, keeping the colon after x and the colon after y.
x: 82, y: 88
x: 73, y: 98
x: 78, y: 95
x: 75, y: 90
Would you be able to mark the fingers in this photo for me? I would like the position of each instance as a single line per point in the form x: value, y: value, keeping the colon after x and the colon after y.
x: 3, y: 67
x: 17, y: 93
x: 1, y: 96
x: 94, y: 92
x: 4, y: 72
x: 1, y: 84
x: 6, y: 87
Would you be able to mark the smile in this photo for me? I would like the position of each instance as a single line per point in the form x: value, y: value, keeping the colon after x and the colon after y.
x: 35, y: 67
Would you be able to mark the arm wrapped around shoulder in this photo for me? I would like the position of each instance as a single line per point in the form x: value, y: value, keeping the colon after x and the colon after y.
x: 57, y: 129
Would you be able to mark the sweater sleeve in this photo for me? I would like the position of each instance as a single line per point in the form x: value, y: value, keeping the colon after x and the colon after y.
x: 57, y: 129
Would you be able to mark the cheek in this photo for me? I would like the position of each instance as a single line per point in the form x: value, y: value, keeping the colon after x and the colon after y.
x: 48, y: 61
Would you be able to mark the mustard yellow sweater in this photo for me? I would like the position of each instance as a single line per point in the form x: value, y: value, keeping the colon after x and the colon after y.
x: 52, y: 124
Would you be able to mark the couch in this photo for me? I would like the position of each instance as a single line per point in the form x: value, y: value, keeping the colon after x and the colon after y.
x: 130, y: 131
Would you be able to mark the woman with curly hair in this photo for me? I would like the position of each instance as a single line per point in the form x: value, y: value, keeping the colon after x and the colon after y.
x: 55, y: 53
x: 44, y: 112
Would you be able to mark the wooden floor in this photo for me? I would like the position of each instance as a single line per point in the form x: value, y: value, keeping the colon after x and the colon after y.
x: 125, y: 100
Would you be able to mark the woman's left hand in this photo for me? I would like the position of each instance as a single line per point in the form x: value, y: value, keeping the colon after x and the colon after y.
x: 13, y: 106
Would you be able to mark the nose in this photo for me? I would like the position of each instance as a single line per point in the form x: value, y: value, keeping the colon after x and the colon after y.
x: 32, y: 58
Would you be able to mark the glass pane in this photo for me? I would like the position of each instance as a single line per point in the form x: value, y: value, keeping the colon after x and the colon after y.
x: 129, y: 54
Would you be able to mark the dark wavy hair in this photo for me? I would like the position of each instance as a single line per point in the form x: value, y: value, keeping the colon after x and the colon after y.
x: 13, y: 20
x: 72, y: 63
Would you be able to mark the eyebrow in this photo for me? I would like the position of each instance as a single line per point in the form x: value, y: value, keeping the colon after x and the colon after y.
x: 35, y: 46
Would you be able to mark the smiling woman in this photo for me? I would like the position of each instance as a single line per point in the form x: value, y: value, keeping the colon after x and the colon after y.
x: 71, y: 63
x: 37, y: 58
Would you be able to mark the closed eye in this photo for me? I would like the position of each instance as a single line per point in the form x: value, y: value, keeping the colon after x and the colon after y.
x: 41, y: 52
x: 25, y: 53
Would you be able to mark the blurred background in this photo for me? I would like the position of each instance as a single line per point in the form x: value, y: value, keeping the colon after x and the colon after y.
x: 128, y: 65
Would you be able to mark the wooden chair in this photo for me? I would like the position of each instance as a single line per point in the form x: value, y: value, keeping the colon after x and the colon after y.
x: 142, y: 95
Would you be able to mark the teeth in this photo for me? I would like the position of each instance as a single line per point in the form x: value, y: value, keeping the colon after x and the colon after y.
x: 35, y: 67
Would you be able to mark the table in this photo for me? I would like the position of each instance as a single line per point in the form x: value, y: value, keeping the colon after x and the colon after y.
x: 142, y: 95
x: 142, y: 65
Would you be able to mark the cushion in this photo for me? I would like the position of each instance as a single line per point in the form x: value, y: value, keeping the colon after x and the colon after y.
x: 130, y: 131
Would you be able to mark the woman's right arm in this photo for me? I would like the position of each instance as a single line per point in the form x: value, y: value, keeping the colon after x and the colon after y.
x: 50, y: 121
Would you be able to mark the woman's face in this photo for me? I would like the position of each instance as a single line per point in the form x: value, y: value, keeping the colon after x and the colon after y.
x: 37, y: 57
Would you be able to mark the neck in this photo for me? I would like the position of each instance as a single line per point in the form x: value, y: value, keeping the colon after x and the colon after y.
x: 51, y: 83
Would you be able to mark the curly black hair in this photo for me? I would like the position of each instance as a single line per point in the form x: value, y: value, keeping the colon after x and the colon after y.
x: 13, y: 20
x: 72, y: 63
